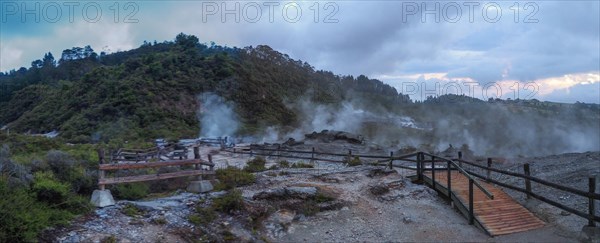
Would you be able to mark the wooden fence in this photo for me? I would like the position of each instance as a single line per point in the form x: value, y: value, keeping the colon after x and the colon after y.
x: 418, y: 158
x: 150, y: 158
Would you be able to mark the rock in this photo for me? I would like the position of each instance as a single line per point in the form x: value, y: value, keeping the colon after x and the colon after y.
x: 379, y: 189
x: 200, y: 186
x: 565, y: 213
x: 102, y: 198
x: 270, y: 194
x: 292, y: 142
x: 278, y: 223
x: 380, y: 172
x: 301, y: 192
x: 407, y: 220
x: 217, y: 194
x: 286, y: 193
x: 330, y: 136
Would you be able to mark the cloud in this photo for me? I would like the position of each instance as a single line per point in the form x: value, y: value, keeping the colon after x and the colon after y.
x: 369, y: 38
x: 102, y: 36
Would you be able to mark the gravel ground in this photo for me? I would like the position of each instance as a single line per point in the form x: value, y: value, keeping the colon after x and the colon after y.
x: 377, y: 207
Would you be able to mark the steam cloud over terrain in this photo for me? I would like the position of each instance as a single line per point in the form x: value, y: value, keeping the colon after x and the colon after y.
x: 217, y: 117
x: 491, y: 129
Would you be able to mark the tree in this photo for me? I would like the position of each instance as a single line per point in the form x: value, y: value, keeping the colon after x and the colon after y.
x: 48, y: 60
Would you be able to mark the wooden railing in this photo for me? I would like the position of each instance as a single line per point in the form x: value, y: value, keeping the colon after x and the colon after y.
x: 591, y: 194
x: 419, y: 160
x: 118, y: 162
x: 450, y: 164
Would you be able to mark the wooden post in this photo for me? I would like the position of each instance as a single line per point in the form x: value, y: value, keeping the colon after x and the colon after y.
x: 278, y: 151
x: 419, y: 172
x: 391, y: 159
x: 527, y: 181
x: 197, y: 157
x: 471, y: 209
x: 101, y: 172
x: 433, y: 172
x: 312, y: 155
x: 592, y: 212
x: 196, y: 152
x: 489, y: 165
x: 212, y: 166
x: 459, y: 158
x: 449, y: 182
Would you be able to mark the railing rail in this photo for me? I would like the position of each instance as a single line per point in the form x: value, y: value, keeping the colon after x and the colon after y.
x: 591, y: 194
x: 117, y: 164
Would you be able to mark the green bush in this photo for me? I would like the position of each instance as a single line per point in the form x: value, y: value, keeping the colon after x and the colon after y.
x: 203, y: 216
x: 232, y: 177
x: 49, y: 189
x: 301, y: 165
x: 230, y: 202
x: 284, y: 164
x: 22, y: 217
x: 353, y: 161
x: 131, y: 210
x: 68, y: 170
x: 256, y: 165
x: 131, y: 191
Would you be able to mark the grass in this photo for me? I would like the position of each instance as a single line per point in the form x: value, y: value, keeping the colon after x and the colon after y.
x: 302, y: 165
x: 232, y: 177
x: 256, y: 165
x: 230, y: 202
x: 131, y: 210
x: 353, y: 161
x: 284, y: 164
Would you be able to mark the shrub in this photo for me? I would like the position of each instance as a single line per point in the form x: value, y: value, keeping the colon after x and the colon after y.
x: 60, y: 162
x: 353, y: 161
x: 22, y: 217
x: 229, y: 202
x: 203, y: 216
x: 66, y: 169
x: 131, y: 191
x: 284, y: 164
x: 131, y: 210
x: 301, y: 165
x: 160, y: 221
x: 232, y: 177
x: 48, y: 189
x: 256, y: 165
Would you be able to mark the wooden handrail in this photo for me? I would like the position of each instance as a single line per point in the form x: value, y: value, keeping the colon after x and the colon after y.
x: 543, y: 182
x: 457, y: 164
x: 464, y: 172
x: 122, y: 166
x: 541, y: 198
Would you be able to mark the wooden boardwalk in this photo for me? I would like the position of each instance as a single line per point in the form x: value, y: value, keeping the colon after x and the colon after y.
x: 498, y: 216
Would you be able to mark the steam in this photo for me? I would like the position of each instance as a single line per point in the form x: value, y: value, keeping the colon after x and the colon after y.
x: 217, y: 117
x: 349, y: 116
x: 487, y: 129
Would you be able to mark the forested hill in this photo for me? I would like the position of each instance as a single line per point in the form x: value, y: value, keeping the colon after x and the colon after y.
x: 152, y: 91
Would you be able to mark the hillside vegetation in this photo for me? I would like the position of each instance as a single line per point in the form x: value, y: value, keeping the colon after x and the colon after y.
x: 152, y: 91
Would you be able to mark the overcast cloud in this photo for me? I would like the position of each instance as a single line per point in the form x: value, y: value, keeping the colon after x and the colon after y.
x: 559, y: 49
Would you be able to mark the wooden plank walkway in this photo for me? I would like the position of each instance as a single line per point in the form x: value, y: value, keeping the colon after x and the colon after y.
x: 498, y: 216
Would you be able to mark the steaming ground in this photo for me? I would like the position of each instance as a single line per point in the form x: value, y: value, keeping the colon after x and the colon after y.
x: 407, y: 212
x: 500, y: 129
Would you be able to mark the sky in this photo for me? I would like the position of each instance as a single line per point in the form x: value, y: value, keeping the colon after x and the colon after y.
x: 547, y: 50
